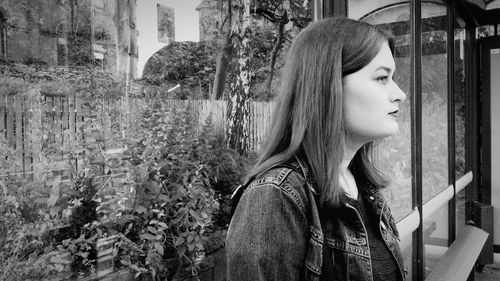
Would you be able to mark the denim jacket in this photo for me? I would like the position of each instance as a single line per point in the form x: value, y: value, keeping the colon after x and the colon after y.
x: 296, y: 242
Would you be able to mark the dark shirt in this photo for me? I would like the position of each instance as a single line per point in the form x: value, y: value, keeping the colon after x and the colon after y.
x: 383, y: 264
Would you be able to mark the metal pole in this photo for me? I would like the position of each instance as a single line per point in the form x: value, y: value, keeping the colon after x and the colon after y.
x: 451, y: 120
x: 416, y: 135
x: 317, y: 10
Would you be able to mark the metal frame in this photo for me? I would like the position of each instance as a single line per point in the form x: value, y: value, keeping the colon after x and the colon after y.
x: 451, y: 119
x: 470, y: 17
x: 485, y: 44
x: 471, y: 127
x: 416, y: 135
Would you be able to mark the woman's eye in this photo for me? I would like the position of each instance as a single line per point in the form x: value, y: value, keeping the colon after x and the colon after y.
x: 383, y: 79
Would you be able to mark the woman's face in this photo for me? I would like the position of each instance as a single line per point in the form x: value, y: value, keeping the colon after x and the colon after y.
x: 371, y: 100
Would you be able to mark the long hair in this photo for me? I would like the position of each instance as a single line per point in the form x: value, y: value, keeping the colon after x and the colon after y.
x: 309, y: 119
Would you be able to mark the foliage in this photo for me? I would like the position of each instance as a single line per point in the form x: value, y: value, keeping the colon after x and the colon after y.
x: 181, y: 176
x: 6, y: 153
x: 190, y: 64
x: 295, y: 11
x: 80, y: 50
x: 163, y: 197
x: 193, y: 65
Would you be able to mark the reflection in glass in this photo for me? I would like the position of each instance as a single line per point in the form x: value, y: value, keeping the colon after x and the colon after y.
x: 394, y: 153
x: 434, y: 100
x: 460, y: 124
x: 434, y: 127
x: 435, y: 238
x: 112, y: 156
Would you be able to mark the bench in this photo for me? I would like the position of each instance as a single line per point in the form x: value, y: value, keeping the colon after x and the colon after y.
x: 461, y: 256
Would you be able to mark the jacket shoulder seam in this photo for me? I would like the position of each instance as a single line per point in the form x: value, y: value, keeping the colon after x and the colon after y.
x: 281, y: 182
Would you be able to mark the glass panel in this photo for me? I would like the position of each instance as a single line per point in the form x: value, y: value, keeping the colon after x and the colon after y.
x: 434, y: 127
x: 460, y: 85
x: 495, y: 138
x: 394, y: 153
x: 435, y: 238
x: 112, y: 156
x: 434, y: 100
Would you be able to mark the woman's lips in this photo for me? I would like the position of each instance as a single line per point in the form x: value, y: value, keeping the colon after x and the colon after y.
x: 394, y: 113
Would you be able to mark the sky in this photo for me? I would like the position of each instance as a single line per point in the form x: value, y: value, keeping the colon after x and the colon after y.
x: 186, y: 19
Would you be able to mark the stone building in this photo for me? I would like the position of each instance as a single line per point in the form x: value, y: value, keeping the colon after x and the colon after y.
x: 115, y: 36
x: 70, y: 32
x: 31, y: 31
x: 211, y: 17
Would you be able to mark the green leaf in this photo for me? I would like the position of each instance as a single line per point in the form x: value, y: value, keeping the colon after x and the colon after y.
x: 152, y: 230
x: 4, y: 188
x: 179, y: 241
x: 54, y: 192
x: 53, y: 211
x: 181, y: 251
x: 159, y: 248
x: 141, y: 209
x: 194, y: 214
x: 163, y: 197
x: 148, y: 236
x: 40, y: 200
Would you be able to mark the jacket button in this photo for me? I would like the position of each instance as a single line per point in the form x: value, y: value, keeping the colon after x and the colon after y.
x: 383, y: 225
x: 372, y: 198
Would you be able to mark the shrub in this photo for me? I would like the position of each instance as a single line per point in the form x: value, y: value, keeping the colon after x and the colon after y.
x: 182, y: 174
x: 177, y: 176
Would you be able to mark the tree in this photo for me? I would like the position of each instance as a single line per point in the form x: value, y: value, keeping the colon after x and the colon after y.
x: 225, y: 55
x: 238, y: 109
x: 125, y: 36
x: 238, y: 106
x: 189, y: 64
x: 284, y: 14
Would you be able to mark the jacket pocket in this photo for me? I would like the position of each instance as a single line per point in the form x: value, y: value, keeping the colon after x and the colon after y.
x: 351, y: 259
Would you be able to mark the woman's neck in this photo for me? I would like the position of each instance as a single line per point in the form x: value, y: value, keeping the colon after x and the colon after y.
x: 347, y: 180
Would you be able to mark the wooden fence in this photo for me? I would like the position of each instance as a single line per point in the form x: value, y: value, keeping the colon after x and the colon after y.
x: 32, y: 123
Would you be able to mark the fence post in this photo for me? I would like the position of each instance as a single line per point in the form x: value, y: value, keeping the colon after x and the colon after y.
x: 37, y: 106
x: 27, y: 135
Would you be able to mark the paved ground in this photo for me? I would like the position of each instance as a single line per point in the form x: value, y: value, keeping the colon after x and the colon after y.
x: 490, y: 273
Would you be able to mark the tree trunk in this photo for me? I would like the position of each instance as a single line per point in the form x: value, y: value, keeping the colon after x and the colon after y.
x: 225, y: 55
x: 121, y: 41
x: 72, y: 17
x: 274, y: 55
x: 238, y: 107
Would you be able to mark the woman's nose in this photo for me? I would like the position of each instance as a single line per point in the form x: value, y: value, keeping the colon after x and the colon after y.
x: 397, y: 94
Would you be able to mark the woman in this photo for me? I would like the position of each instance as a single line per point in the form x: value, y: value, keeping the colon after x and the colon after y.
x: 311, y: 208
